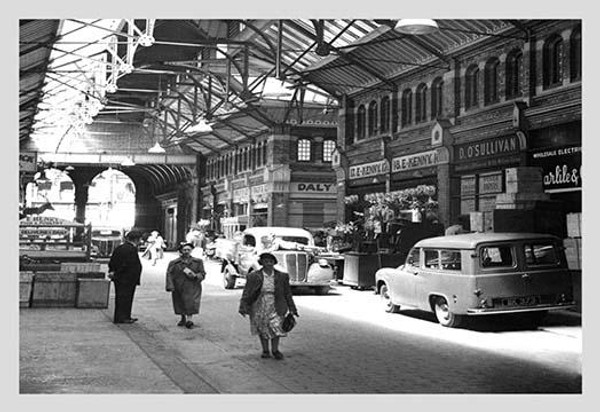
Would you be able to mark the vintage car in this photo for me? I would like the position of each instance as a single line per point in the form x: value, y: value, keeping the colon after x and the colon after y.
x: 480, y: 274
x: 294, y: 249
x: 104, y: 241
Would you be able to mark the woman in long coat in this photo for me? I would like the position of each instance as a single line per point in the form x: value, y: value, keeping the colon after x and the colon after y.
x: 184, y: 280
x: 267, y: 298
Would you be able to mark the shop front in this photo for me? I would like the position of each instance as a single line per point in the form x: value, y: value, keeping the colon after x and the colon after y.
x: 312, y: 204
x: 479, y: 168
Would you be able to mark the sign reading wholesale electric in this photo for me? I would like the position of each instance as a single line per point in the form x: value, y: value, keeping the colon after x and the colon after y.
x: 399, y: 164
x: 561, y: 168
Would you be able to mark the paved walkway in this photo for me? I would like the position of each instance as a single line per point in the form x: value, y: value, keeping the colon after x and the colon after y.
x: 82, y: 351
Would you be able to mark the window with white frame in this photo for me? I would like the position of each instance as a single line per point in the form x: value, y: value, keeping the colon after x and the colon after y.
x: 328, y: 147
x: 303, y: 150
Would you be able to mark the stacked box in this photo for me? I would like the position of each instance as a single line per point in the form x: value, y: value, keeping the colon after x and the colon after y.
x: 92, y: 293
x: 25, y: 288
x: 54, y: 289
x: 524, y: 180
x: 573, y: 252
x: 574, y: 224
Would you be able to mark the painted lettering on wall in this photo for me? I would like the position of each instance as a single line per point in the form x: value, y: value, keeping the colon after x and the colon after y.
x: 314, y: 187
x: 369, y: 169
x: 491, y: 147
x: 415, y: 161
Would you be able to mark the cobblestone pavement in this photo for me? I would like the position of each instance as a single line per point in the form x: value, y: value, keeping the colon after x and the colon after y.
x: 344, y: 343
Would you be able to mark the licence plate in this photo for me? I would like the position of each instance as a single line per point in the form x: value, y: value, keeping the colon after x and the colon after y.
x: 524, y: 301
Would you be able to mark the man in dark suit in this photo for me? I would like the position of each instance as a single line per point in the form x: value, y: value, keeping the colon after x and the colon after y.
x: 124, y: 269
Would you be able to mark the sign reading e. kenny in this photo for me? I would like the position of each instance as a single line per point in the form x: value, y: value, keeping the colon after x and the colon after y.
x: 369, y: 169
x: 415, y: 161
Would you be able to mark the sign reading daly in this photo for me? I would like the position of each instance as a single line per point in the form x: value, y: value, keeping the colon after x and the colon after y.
x: 313, y: 187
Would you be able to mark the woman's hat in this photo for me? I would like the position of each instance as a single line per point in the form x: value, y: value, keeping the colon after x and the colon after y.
x: 183, y: 244
x: 266, y: 255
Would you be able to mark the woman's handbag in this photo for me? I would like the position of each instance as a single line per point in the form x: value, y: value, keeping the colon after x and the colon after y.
x: 288, y: 323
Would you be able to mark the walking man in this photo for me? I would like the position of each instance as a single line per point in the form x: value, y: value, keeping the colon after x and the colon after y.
x: 124, y: 269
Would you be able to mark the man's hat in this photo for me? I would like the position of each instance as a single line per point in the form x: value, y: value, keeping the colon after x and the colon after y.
x: 267, y: 255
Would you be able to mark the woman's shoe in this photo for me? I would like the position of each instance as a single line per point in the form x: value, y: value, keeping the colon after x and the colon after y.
x: 189, y: 324
x: 278, y: 355
x: 265, y: 355
x: 181, y: 322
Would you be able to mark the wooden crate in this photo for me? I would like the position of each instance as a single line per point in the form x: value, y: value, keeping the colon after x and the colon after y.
x: 92, y: 293
x: 54, y: 289
x: 25, y: 288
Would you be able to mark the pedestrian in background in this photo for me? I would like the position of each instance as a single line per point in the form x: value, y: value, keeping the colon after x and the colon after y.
x: 156, y: 244
x: 125, y: 269
x: 184, y: 280
x: 267, y: 298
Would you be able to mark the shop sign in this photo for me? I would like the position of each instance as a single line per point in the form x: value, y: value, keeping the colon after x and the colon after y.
x: 240, y: 195
x: 258, y: 193
x: 27, y: 161
x: 490, y: 183
x: 369, y: 169
x: 489, y: 148
x: 561, y: 168
x: 415, y: 161
x: 236, y: 184
x: 467, y: 186
x: 312, y: 187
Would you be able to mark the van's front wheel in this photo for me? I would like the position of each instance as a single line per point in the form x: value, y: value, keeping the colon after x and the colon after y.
x: 443, y: 314
x: 386, y: 300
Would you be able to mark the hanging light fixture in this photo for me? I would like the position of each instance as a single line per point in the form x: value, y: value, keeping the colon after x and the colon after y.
x: 157, y: 148
x: 416, y: 26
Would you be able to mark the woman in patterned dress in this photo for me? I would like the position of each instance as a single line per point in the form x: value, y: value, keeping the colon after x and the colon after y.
x: 184, y: 280
x: 267, y: 298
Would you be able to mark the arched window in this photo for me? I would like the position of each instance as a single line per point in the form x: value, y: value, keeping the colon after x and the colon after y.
x: 304, y: 150
x: 575, y: 56
x: 490, y: 81
x: 328, y: 147
x: 437, y: 97
x: 264, y: 153
x: 372, y: 123
x: 361, y: 122
x: 421, y: 103
x: 514, y: 74
x: 472, y: 86
x: 406, y: 113
x: 552, y: 61
x: 244, y: 159
x: 385, y: 114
